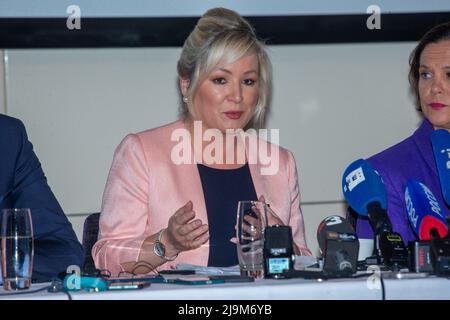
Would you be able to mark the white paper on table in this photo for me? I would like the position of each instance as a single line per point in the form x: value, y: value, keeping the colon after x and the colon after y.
x: 301, y: 262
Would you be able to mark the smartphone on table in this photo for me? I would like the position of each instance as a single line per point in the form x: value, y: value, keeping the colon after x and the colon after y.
x: 195, y: 280
x: 127, y: 285
x: 233, y: 278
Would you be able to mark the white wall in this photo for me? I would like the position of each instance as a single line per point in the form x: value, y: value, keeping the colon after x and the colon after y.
x: 332, y: 104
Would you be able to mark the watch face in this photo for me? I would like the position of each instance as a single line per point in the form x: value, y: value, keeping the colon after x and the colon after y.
x: 159, y: 249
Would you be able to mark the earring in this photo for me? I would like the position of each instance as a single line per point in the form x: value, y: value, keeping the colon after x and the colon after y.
x: 185, y: 99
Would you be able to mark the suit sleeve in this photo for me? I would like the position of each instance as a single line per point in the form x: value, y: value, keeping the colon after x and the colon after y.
x: 296, y: 217
x: 55, y: 244
x: 125, y: 208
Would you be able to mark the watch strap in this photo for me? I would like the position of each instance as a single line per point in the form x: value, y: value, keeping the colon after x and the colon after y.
x: 160, y: 245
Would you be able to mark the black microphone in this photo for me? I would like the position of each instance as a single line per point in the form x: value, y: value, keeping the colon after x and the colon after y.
x: 339, y: 246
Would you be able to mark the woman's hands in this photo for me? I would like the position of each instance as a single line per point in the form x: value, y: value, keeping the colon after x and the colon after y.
x: 253, y: 227
x: 183, y: 233
x: 272, y: 218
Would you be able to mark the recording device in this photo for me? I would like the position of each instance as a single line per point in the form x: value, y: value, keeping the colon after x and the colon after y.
x: 365, y: 193
x: 339, y: 246
x: 420, y: 256
x: 440, y: 140
x: 278, y: 251
x: 432, y: 252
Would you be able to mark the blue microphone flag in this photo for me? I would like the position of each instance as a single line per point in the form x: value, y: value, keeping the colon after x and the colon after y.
x: 362, y: 185
x: 424, y: 212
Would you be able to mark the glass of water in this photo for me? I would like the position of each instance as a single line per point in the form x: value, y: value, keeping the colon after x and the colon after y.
x: 251, y: 223
x: 17, y: 248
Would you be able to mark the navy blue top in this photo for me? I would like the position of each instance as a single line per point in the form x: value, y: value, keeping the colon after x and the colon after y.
x: 223, y: 189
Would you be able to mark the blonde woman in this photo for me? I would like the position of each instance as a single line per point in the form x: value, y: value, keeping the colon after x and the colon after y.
x: 169, y: 199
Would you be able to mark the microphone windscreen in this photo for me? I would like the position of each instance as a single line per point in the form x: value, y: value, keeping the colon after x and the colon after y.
x: 362, y: 185
x: 440, y: 140
x: 332, y: 224
x: 424, y: 212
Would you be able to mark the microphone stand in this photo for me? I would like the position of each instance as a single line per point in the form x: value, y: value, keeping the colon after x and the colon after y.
x: 389, y: 249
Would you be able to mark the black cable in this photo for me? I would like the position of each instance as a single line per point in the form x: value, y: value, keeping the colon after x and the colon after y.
x: 383, y: 290
x: 144, y: 264
x: 58, y: 287
x: 68, y: 294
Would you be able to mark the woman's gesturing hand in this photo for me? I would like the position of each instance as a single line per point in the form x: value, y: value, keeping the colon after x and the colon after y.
x: 183, y: 232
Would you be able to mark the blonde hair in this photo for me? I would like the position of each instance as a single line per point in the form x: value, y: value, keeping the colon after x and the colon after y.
x: 222, y: 36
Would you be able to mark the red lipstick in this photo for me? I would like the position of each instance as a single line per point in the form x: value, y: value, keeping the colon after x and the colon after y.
x: 233, y: 115
x: 437, y: 106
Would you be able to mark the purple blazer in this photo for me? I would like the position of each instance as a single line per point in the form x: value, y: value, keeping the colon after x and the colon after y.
x: 410, y: 159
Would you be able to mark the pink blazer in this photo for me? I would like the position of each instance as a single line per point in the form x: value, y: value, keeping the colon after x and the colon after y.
x: 144, y: 188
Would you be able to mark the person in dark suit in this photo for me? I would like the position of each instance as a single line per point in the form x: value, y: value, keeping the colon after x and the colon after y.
x: 24, y: 185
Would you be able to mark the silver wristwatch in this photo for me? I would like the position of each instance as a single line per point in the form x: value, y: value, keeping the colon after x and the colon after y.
x: 160, y: 250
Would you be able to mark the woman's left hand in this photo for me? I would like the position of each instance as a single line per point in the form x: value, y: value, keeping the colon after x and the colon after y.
x: 272, y: 217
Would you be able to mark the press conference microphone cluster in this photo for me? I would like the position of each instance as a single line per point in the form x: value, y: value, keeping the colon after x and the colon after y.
x: 432, y: 252
x: 339, y: 246
x: 440, y: 140
x: 365, y: 193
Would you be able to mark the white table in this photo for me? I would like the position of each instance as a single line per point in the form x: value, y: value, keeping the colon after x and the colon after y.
x: 292, y: 289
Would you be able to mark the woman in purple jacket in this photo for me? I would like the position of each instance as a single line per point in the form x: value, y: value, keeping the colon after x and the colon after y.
x: 413, y: 158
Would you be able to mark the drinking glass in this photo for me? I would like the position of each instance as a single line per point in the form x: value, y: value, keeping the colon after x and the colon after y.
x: 251, y: 222
x: 17, y: 248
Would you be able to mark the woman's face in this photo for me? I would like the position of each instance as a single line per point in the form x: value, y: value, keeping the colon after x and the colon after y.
x: 434, y: 83
x: 228, y: 97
